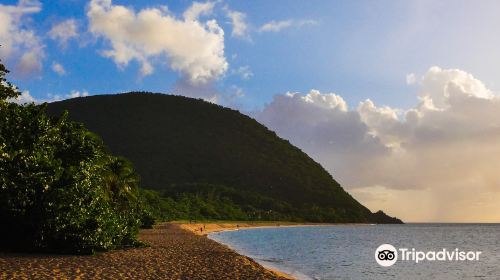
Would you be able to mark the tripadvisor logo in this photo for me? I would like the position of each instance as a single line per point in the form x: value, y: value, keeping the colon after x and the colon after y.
x: 387, y: 255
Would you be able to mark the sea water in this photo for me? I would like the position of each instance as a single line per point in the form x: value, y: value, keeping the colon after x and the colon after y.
x: 348, y: 251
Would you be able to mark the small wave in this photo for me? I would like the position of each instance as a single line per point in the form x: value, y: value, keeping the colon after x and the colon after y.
x: 272, y: 260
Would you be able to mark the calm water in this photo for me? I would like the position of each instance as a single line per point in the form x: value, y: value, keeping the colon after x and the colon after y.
x: 347, y: 252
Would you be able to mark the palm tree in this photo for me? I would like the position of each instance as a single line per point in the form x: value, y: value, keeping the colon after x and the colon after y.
x: 121, y: 181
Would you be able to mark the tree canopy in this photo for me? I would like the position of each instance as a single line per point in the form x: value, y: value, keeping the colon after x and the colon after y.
x: 60, y: 189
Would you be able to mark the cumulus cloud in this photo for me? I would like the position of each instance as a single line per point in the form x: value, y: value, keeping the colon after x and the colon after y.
x: 192, y: 47
x: 58, y: 68
x: 322, y: 125
x: 433, y: 162
x: 59, y: 97
x: 238, y: 21
x: 23, y: 98
x: 76, y: 93
x: 444, y: 86
x: 20, y: 44
x: 64, y: 31
x: 198, y: 9
x: 26, y: 97
x: 277, y: 26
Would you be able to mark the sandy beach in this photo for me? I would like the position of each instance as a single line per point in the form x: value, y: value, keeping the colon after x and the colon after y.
x: 209, y: 227
x: 206, y: 228
x: 175, y: 253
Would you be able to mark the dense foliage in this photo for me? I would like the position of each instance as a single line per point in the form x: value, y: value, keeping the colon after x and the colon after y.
x: 60, y: 190
x: 211, y: 162
x: 215, y: 202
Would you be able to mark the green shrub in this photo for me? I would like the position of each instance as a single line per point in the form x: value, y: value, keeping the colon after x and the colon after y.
x: 147, y: 219
x: 60, y: 191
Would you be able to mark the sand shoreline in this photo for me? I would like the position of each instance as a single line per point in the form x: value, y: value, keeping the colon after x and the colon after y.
x: 200, y: 228
x: 211, y: 227
x: 175, y: 253
x: 178, y: 251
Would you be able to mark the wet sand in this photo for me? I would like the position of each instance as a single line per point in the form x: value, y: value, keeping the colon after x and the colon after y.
x: 175, y: 253
x: 206, y: 228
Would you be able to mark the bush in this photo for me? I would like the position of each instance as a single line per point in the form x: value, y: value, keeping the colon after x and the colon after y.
x: 147, y: 219
x: 60, y: 191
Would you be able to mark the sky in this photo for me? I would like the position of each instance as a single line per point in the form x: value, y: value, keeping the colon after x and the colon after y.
x: 398, y: 100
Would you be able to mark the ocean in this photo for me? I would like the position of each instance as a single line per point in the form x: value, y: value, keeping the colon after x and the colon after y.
x: 349, y: 251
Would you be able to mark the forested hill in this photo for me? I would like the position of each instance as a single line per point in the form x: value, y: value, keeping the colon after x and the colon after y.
x: 181, y: 146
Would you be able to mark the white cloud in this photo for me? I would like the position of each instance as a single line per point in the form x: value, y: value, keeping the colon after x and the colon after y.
x: 24, y: 98
x: 198, y: 9
x: 20, y: 44
x: 76, y: 93
x: 322, y: 125
x: 443, y: 86
x: 276, y: 26
x: 59, y: 97
x: 238, y: 21
x: 244, y: 72
x: 58, y: 68
x: 382, y: 122
x: 64, y: 31
x: 439, y: 157
x: 411, y: 79
x: 189, y: 46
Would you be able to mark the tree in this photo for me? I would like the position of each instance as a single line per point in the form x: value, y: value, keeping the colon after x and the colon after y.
x: 7, y: 90
x: 58, y: 191
x: 121, y: 181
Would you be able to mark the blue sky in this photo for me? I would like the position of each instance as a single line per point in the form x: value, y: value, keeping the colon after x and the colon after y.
x: 398, y: 100
x: 360, y: 49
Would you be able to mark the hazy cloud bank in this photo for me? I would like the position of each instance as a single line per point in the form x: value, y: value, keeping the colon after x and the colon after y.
x: 434, y: 161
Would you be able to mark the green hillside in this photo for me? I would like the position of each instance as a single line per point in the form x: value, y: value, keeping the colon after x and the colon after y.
x: 189, y: 149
